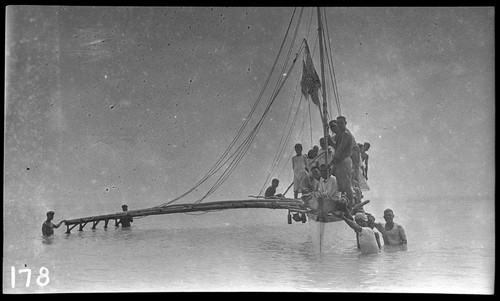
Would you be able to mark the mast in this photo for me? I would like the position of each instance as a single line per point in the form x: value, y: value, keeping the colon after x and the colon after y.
x: 323, y: 88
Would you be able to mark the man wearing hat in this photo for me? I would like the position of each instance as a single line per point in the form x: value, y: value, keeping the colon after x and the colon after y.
x: 366, y: 235
x: 48, y: 226
x: 125, y: 221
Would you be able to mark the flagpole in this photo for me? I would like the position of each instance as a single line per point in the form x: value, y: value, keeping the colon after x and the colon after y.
x: 323, y: 88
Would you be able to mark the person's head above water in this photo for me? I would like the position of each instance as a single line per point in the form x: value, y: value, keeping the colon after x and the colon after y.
x: 50, y: 215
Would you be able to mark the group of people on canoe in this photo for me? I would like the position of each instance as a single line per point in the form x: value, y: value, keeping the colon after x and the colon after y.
x: 332, y: 177
x: 331, y: 180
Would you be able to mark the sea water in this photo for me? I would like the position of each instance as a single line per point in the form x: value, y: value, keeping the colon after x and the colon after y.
x: 451, y: 249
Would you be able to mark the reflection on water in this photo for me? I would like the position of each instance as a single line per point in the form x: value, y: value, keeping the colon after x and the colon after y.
x: 248, y: 254
x: 47, y: 240
x: 394, y: 248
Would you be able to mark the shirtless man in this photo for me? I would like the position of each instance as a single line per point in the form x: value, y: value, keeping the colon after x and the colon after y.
x: 271, y: 190
x: 125, y: 221
x: 392, y: 233
x: 48, y: 226
x: 364, y: 158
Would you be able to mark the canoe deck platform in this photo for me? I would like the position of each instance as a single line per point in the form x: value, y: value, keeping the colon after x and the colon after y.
x: 293, y: 205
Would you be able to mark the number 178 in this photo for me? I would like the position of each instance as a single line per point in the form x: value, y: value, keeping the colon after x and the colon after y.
x: 42, y: 279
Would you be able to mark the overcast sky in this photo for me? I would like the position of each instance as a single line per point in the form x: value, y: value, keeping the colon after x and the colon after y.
x: 106, y: 106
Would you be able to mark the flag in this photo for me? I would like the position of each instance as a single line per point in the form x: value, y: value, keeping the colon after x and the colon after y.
x: 310, y: 82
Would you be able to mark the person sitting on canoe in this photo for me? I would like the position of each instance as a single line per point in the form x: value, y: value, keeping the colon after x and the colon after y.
x: 271, y: 190
x: 311, y: 183
x: 125, y: 221
x: 310, y: 186
x: 328, y: 196
x: 366, y: 235
x: 392, y: 233
x: 48, y: 226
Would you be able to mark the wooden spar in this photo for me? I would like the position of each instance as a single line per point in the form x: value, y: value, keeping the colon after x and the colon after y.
x: 360, y: 205
x: 281, y: 203
x: 324, y: 120
x: 323, y: 86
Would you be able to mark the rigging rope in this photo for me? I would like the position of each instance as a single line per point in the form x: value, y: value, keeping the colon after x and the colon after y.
x: 284, y: 138
x: 282, y: 145
x: 283, y: 142
x: 310, y: 122
x: 331, y: 66
x: 334, y: 90
x: 237, y: 155
x: 248, y: 141
x: 217, y: 166
x: 299, y: 134
x: 250, y: 138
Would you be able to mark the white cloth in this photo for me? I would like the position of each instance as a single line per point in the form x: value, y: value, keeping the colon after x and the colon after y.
x: 328, y: 187
x: 367, y: 241
x: 363, y: 184
x: 299, y: 165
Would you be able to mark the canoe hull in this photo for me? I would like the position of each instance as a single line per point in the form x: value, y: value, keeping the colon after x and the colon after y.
x: 328, y: 236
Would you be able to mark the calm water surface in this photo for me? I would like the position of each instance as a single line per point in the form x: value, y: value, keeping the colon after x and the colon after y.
x: 451, y: 250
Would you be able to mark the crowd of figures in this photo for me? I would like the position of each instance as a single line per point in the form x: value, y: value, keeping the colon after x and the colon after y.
x: 337, y: 171
x: 331, y: 180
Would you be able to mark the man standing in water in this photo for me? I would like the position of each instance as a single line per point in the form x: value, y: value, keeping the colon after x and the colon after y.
x: 48, y: 226
x: 392, y: 233
x: 366, y: 236
x: 125, y: 221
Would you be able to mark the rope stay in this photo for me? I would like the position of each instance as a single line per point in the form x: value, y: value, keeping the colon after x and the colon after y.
x: 329, y: 58
x: 241, y: 150
x: 281, y: 81
x: 334, y: 90
x: 233, y: 154
x: 285, y: 136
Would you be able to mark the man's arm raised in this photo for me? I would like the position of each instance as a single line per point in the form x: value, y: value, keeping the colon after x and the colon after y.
x: 349, y: 222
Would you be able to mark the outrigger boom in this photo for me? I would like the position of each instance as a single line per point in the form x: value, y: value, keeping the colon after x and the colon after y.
x: 293, y: 205
x: 280, y: 203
